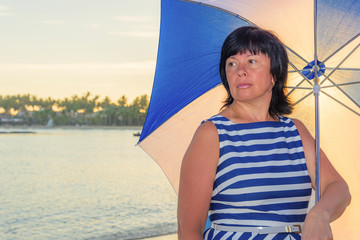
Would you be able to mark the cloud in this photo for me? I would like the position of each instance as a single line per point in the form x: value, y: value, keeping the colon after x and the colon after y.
x: 133, y: 19
x: 4, y: 11
x: 143, y: 34
x: 94, y: 25
x: 2, y: 8
x: 136, y: 26
x: 6, y: 14
x: 53, y: 21
x: 130, y: 67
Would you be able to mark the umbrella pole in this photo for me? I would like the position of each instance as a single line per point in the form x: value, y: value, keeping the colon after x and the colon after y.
x: 317, y: 118
x: 317, y: 141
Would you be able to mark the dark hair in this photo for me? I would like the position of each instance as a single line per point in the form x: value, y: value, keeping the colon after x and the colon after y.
x: 256, y: 40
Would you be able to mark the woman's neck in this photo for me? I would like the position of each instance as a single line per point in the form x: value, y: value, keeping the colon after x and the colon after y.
x: 247, y: 113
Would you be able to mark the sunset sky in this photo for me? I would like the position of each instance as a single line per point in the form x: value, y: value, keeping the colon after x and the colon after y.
x: 59, y: 48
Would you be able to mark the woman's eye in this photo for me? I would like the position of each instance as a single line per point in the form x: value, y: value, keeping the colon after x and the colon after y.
x: 252, y: 61
x: 231, y: 64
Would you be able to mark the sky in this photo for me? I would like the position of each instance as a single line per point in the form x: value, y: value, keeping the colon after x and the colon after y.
x: 59, y: 48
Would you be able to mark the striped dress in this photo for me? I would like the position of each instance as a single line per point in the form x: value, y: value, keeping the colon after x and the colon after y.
x: 261, y: 179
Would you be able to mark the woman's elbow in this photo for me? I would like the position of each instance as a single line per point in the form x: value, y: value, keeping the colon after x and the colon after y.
x: 185, y: 236
x: 190, y: 233
x: 347, y: 194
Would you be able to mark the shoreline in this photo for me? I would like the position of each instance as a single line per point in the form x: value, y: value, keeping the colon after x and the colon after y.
x: 172, y: 236
x: 22, y: 127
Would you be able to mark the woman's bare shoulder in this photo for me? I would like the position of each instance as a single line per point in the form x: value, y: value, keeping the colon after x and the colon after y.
x: 304, y: 132
x: 206, y: 129
x: 205, y: 141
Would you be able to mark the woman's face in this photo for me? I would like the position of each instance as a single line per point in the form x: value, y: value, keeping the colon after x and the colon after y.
x: 249, y: 77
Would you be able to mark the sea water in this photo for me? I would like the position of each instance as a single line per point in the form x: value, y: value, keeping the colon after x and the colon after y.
x: 81, y: 184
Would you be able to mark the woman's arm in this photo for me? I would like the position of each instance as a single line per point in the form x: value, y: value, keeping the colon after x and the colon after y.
x: 334, y: 191
x: 196, y: 181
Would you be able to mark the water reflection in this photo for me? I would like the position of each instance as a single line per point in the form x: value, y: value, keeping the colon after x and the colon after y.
x: 78, y: 184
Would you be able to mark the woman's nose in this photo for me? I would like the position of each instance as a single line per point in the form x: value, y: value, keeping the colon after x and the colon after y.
x: 241, y: 71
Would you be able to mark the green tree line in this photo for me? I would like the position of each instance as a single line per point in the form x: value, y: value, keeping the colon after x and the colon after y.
x: 85, y: 110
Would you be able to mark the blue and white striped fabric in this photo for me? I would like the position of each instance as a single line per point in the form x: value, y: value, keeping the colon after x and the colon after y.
x: 261, y: 179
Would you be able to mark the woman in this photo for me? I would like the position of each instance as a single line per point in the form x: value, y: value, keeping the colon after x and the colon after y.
x: 251, y: 166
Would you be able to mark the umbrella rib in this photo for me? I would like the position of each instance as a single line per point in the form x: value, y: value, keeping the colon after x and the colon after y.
x: 296, y: 87
x: 338, y: 85
x: 337, y: 67
x: 298, y: 71
x: 352, y: 110
x: 332, y: 68
x: 343, y: 69
x: 296, y: 54
x: 305, y: 78
x: 344, y: 45
x: 303, y: 98
x: 341, y: 84
x: 341, y: 90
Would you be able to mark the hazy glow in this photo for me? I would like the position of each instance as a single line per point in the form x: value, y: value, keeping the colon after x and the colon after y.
x: 106, y: 49
x: 29, y: 108
x: 53, y: 22
x: 98, y: 109
x: 56, y: 108
x: 130, y: 67
x: 133, y: 19
x: 13, y: 112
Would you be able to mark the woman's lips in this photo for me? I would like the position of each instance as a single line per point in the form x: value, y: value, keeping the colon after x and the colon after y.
x: 243, y: 85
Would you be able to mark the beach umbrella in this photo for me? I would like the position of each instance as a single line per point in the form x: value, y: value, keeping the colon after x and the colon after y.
x: 323, y: 42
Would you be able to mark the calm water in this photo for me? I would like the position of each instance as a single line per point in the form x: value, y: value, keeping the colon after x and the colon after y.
x: 81, y: 184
